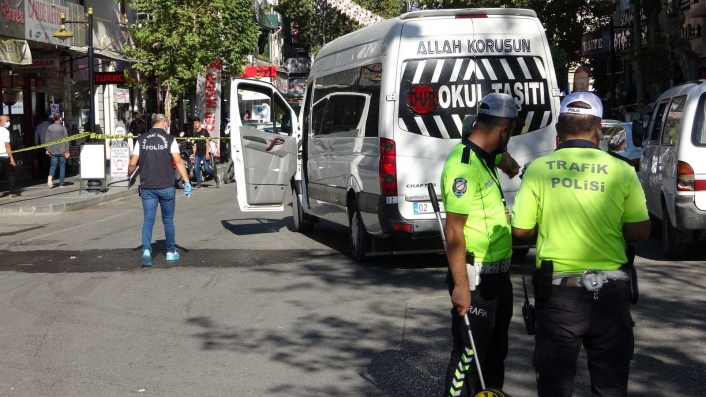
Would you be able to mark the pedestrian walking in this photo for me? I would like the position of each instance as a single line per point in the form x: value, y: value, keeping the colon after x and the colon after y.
x: 40, y: 137
x: 7, y: 160
x: 155, y: 153
x: 478, y: 233
x: 58, y: 152
x: 137, y: 125
x: 201, y: 154
x: 587, y: 205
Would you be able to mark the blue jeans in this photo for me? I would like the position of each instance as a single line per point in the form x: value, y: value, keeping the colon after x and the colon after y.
x: 197, y: 169
x: 166, y: 198
x: 61, y: 161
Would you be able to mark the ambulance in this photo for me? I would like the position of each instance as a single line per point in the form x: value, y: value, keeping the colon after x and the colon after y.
x: 383, y: 108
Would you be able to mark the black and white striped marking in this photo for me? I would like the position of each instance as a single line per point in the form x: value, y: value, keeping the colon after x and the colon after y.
x: 462, y: 82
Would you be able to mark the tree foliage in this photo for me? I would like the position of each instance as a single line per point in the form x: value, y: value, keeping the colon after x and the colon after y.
x: 175, y: 40
x: 316, y: 23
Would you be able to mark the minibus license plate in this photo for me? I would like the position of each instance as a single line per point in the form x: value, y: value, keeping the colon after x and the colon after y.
x: 425, y: 208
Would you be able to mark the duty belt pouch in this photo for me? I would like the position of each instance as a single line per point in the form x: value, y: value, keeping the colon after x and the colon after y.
x: 473, y: 272
x: 542, y: 282
x: 629, y: 268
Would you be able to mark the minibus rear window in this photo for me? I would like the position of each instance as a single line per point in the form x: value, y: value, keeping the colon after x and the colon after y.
x: 436, y: 94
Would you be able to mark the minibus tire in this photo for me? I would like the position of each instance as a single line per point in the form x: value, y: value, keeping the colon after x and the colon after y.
x: 356, y: 231
x: 300, y: 224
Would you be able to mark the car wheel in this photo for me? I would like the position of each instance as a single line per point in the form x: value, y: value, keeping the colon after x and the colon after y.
x: 180, y: 184
x: 357, y: 235
x: 673, y: 249
x: 229, y: 176
x: 300, y: 224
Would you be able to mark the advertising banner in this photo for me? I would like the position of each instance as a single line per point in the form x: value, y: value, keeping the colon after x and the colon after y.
x: 42, y: 19
x: 15, y: 51
x: 12, y: 18
x: 208, y: 102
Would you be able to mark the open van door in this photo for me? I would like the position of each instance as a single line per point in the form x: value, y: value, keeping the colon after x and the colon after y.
x: 264, y: 161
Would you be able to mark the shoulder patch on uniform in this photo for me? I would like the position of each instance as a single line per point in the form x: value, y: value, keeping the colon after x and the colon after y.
x: 619, y: 157
x: 460, y: 186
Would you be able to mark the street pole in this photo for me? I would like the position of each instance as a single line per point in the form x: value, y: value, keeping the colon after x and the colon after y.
x: 637, y: 42
x: 91, y: 71
x: 612, y: 66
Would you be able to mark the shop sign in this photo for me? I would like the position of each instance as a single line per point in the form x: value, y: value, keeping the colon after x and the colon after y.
x: 122, y: 95
x: 208, y: 101
x: 105, y: 78
x: 15, y: 51
x: 40, y: 65
x: 73, y: 155
x: 42, y: 19
x: 297, y: 86
x: 258, y: 72
x: 119, y: 161
x: 12, y: 18
x: 582, y: 78
x: 595, y: 43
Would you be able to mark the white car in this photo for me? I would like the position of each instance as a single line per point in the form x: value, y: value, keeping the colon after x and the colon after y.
x: 673, y: 166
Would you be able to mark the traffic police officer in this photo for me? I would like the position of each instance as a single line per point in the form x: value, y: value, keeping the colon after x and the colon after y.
x: 587, y: 204
x: 478, y: 232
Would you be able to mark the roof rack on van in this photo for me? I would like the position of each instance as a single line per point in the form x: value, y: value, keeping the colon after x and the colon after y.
x: 469, y: 12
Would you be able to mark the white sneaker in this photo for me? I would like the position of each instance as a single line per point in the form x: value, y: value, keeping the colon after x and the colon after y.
x: 49, y: 182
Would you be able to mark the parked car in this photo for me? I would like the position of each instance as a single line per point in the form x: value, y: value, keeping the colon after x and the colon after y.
x: 673, y: 166
x: 625, y: 139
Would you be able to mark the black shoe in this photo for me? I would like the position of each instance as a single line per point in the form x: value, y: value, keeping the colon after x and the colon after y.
x: 14, y: 195
x: 67, y: 183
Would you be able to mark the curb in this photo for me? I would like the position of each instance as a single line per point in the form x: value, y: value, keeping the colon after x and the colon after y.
x: 78, y: 205
x: 66, y: 207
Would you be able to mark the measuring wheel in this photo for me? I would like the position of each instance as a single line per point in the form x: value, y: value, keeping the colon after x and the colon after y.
x: 491, y: 393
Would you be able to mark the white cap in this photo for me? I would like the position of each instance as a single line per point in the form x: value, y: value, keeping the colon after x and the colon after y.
x: 596, y: 107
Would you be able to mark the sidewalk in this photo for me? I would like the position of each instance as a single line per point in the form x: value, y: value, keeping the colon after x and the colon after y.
x: 38, y: 198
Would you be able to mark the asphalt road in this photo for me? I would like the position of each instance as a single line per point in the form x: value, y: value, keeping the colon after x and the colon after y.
x: 253, y: 308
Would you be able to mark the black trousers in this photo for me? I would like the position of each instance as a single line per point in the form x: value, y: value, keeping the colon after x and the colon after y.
x: 571, y: 317
x: 489, y: 315
x: 10, y: 171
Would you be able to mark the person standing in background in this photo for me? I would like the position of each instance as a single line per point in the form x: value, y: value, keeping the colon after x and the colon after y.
x: 58, y: 152
x: 137, y: 126
x: 7, y: 161
x: 40, y: 137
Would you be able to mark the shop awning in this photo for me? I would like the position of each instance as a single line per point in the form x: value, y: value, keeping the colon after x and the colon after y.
x: 15, y: 51
x: 104, y: 54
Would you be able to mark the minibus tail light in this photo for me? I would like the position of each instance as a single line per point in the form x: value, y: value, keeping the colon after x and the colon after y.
x: 388, y: 167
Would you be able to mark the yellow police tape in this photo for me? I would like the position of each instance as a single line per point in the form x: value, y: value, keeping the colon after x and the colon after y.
x: 101, y: 136
x: 62, y: 140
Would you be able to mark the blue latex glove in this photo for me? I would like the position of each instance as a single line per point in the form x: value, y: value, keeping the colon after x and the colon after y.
x: 187, y: 189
